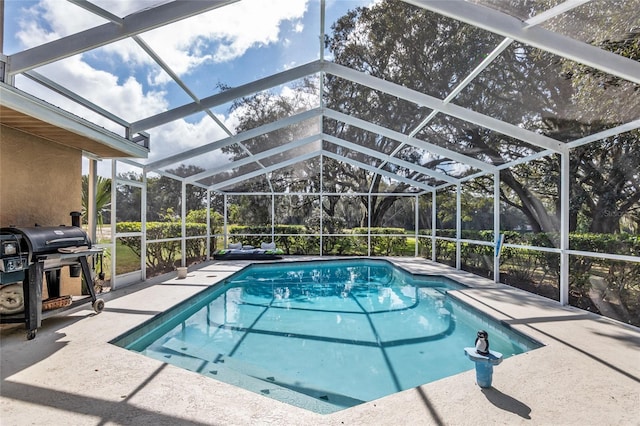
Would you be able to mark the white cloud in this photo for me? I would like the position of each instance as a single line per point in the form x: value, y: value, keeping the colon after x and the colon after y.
x: 220, y: 35
x: 126, y: 99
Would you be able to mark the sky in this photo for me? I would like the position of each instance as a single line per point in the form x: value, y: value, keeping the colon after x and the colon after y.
x: 229, y: 46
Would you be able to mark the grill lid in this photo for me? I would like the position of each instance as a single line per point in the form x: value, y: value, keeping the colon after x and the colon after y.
x: 38, y: 240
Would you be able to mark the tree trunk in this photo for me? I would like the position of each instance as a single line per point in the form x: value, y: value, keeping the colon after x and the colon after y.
x: 538, y: 217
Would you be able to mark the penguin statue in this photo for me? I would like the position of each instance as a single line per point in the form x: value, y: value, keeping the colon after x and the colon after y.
x: 482, y: 343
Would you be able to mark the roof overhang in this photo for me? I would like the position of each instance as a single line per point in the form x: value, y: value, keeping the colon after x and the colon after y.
x: 23, y: 112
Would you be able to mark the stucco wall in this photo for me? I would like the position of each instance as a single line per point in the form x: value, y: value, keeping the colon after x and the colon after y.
x: 40, y: 183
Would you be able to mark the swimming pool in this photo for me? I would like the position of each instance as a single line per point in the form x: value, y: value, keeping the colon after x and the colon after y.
x: 323, y: 335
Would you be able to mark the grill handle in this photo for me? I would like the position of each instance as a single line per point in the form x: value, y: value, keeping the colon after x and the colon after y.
x: 65, y: 240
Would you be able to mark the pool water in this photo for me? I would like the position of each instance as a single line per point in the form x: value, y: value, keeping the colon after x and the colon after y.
x: 325, y: 335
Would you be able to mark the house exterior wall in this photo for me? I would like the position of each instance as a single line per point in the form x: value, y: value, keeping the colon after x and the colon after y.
x: 40, y: 183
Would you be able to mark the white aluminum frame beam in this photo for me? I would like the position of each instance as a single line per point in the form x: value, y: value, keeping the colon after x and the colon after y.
x: 97, y: 10
x: 401, y: 137
x: 185, y: 88
x: 110, y: 32
x: 446, y: 108
x: 162, y: 64
x: 52, y: 85
x: 508, y: 165
x: 259, y: 156
x: 266, y: 170
x: 536, y: 20
x: 559, y: 9
x: 227, y: 96
x: 240, y: 137
x: 287, y: 146
x: 366, y: 80
x: 317, y: 112
x: 465, y: 82
x: 387, y: 158
x: 376, y: 170
x: 508, y: 26
x: 319, y: 193
x: 632, y: 125
x: 313, y: 154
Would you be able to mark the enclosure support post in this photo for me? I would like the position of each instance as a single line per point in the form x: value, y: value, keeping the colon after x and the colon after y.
x: 143, y: 225
x: 273, y: 217
x: 225, y: 230
x: 564, y: 226
x: 208, y: 240
x: 434, y: 218
x: 416, y: 222
x: 321, y: 201
x: 92, y: 214
x: 114, y: 206
x: 458, y: 226
x: 369, y: 225
x: 496, y: 225
x: 321, y: 223
x: 183, y: 215
x: 321, y: 51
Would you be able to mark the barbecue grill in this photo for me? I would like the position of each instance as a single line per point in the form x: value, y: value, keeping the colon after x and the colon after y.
x: 29, y: 253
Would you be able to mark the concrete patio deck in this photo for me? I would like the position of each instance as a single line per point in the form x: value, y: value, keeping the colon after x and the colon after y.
x: 588, y: 372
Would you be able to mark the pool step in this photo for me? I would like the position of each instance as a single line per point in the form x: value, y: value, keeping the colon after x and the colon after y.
x: 292, y: 384
x: 258, y: 380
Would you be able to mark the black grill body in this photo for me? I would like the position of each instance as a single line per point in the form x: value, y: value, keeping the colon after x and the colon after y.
x: 29, y: 253
x: 43, y: 240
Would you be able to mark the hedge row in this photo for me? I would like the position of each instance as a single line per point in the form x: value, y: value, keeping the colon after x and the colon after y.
x: 521, y: 266
x: 539, y: 271
x: 599, y: 243
x: 294, y: 239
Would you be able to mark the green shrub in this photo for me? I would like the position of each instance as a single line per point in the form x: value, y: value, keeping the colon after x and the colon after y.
x: 256, y: 235
x: 477, y: 258
x: 523, y: 265
x: 161, y: 256
x: 383, y: 245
